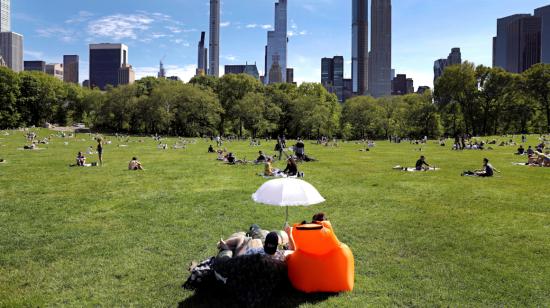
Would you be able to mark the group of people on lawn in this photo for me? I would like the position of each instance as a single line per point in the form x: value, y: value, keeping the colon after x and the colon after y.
x: 487, y: 170
x: 540, y: 157
x: 134, y: 164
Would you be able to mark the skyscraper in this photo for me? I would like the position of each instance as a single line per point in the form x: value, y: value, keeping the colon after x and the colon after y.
x: 162, y: 71
x: 454, y: 58
x: 71, y: 68
x: 380, y: 55
x: 35, y: 66
x: 401, y: 85
x: 360, y: 46
x: 11, y: 49
x: 332, y: 75
x: 249, y: 69
x: 55, y: 70
x: 202, y: 58
x: 289, y: 75
x: 105, y: 63
x: 5, y: 18
x: 276, y: 51
x: 500, y: 42
x: 214, y: 65
x: 544, y: 14
x: 126, y: 74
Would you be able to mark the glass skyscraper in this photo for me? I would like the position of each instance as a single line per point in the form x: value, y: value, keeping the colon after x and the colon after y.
x: 380, y: 55
x: 276, y: 51
x: 332, y: 75
x: 544, y: 14
x: 105, y: 63
x: 360, y: 46
x: 5, y: 25
x: 202, y: 57
x: 71, y: 68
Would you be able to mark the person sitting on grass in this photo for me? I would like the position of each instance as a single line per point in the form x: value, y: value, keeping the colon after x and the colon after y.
x: 487, y: 170
x: 530, y: 151
x: 231, y: 159
x: 269, y: 170
x: 521, y: 150
x: 80, y: 159
x: 421, y: 163
x: 135, y: 164
x: 261, y: 158
x: 291, y: 167
x: 211, y: 149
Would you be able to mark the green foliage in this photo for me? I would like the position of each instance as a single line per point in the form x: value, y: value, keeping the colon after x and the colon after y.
x: 466, y: 99
x: 9, y: 92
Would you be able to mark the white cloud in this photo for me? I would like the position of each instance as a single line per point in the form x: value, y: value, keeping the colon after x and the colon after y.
x: 225, y: 24
x: 230, y: 58
x: 267, y: 27
x: 81, y: 17
x: 34, y: 54
x: 120, y: 26
x: 251, y: 26
x: 63, y: 34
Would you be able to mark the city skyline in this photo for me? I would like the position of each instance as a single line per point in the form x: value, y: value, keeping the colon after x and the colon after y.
x: 316, y: 29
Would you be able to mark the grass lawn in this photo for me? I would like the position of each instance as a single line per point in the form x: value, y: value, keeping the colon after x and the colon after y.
x: 110, y: 237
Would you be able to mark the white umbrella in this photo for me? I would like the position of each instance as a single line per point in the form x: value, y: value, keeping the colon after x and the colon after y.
x: 287, y: 192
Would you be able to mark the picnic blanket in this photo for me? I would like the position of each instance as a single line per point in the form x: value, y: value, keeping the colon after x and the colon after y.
x: 412, y: 169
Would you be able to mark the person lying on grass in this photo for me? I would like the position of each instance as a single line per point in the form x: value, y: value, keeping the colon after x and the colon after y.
x: 241, y: 243
x: 487, y: 170
x: 135, y: 164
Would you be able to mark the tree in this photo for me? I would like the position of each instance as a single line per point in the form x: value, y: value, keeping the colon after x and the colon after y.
x: 456, y: 95
x: 231, y: 89
x: 9, y: 92
x: 41, y: 98
x: 537, y: 85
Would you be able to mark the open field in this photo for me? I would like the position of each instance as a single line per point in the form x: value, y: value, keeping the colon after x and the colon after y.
x: 110, y: 237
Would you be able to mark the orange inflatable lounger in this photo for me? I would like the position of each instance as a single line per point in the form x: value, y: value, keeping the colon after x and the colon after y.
x: 320, y: 262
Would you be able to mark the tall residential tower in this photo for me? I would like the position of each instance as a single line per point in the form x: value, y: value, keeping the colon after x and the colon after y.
x: 360, y: 46
x: 214, y: 65
x: 5, y: 19
x: 380, y: 82
x: 202, y: 58
x: 71, y: 68
x: 276, y: 50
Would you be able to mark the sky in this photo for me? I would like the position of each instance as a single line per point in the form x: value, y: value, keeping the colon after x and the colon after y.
x: 423, y: 31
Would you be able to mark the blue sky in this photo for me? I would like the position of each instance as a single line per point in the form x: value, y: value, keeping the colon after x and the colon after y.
x: 423, y: 31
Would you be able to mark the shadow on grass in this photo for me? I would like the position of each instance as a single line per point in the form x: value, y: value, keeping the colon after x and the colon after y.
x: 288, y: 297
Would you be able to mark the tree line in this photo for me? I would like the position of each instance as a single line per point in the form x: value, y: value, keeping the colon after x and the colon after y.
x: 467, y: 99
